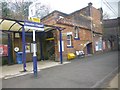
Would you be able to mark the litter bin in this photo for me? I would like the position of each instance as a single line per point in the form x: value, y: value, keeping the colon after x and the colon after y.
x: 70, y: 56
x: 19, y: 57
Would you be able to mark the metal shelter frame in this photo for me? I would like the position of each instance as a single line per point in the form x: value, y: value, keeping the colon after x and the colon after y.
x: 12, y: 25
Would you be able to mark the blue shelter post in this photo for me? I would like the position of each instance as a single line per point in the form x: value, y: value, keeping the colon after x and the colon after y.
x: 9, y: 49
x: 60, y: 34
x: 23, y: 49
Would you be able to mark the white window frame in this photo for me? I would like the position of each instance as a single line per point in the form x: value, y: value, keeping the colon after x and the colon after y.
x: 69, y: 34
x: 76, y: 33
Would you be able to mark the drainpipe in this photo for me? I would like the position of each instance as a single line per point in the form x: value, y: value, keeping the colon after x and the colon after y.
x: 91, y: 26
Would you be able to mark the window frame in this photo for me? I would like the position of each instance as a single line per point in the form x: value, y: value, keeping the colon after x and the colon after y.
x: 76, y: 33
x: 69, y: 40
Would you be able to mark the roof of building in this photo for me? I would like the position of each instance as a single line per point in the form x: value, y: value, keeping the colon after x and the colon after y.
x: 108, y: 23
x: 55, y: 11
x: 79, y: 18
x: 78, y: 10
x: 83, y: 21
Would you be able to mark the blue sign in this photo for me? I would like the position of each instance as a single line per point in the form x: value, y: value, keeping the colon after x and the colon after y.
x: 34, y: 25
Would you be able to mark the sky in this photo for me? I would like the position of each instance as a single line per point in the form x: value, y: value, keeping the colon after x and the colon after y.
x: 69, y: 6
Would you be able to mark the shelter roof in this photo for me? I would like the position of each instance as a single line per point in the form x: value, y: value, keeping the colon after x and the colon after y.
x: 12, y: 25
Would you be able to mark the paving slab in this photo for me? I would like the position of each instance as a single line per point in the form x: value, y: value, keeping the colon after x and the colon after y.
x: 10, y: 71
x: 114, y: 82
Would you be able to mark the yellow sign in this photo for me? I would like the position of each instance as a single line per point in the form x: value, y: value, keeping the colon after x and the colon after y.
x: 34, y: 19
x: 50, y: 39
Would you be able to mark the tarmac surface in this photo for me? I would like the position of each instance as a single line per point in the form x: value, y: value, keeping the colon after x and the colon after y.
x: 89, y: 72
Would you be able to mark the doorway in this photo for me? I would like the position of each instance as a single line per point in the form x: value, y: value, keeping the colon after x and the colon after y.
x: 89, y: 48
x: 48, y: 46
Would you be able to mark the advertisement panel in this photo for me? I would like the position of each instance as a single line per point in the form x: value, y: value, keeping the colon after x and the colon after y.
x: 3, y: 50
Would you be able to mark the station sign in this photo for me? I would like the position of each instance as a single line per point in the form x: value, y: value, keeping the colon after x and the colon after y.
x: 34, y: 25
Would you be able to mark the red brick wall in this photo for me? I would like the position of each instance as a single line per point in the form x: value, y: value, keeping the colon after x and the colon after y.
x: 96, y: 16
x: 85, y: 35
x: 64, y: 38
x: 50, y: 20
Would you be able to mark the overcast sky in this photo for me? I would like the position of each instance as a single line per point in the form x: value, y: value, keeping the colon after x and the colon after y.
x: 69, y: 6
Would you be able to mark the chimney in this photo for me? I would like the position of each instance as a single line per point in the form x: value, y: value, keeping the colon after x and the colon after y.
x: 90, y: 4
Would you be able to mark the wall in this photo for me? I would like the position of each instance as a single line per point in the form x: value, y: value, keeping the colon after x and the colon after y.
x: 96, y: 17
x: 111, y: 33
x: 80, y: 17
x: 85, y: 17
x: 84, y: 34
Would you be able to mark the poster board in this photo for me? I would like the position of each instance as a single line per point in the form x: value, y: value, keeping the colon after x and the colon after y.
x: 3, y: 50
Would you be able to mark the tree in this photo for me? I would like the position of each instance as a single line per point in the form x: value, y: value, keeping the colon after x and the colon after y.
x: 41, y: 10
x: 6, y: 12
x: 19, y: 9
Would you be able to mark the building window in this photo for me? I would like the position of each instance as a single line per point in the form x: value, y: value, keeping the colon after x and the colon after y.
x: 76, y: 33
x: 69, y: 40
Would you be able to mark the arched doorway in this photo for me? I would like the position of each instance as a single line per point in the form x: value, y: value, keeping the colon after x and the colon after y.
x: 89, y: 48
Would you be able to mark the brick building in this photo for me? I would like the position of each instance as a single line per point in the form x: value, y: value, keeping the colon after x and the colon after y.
x: 83, y: 30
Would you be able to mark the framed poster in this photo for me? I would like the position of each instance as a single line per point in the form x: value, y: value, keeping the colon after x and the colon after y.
x: 3, y: 50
